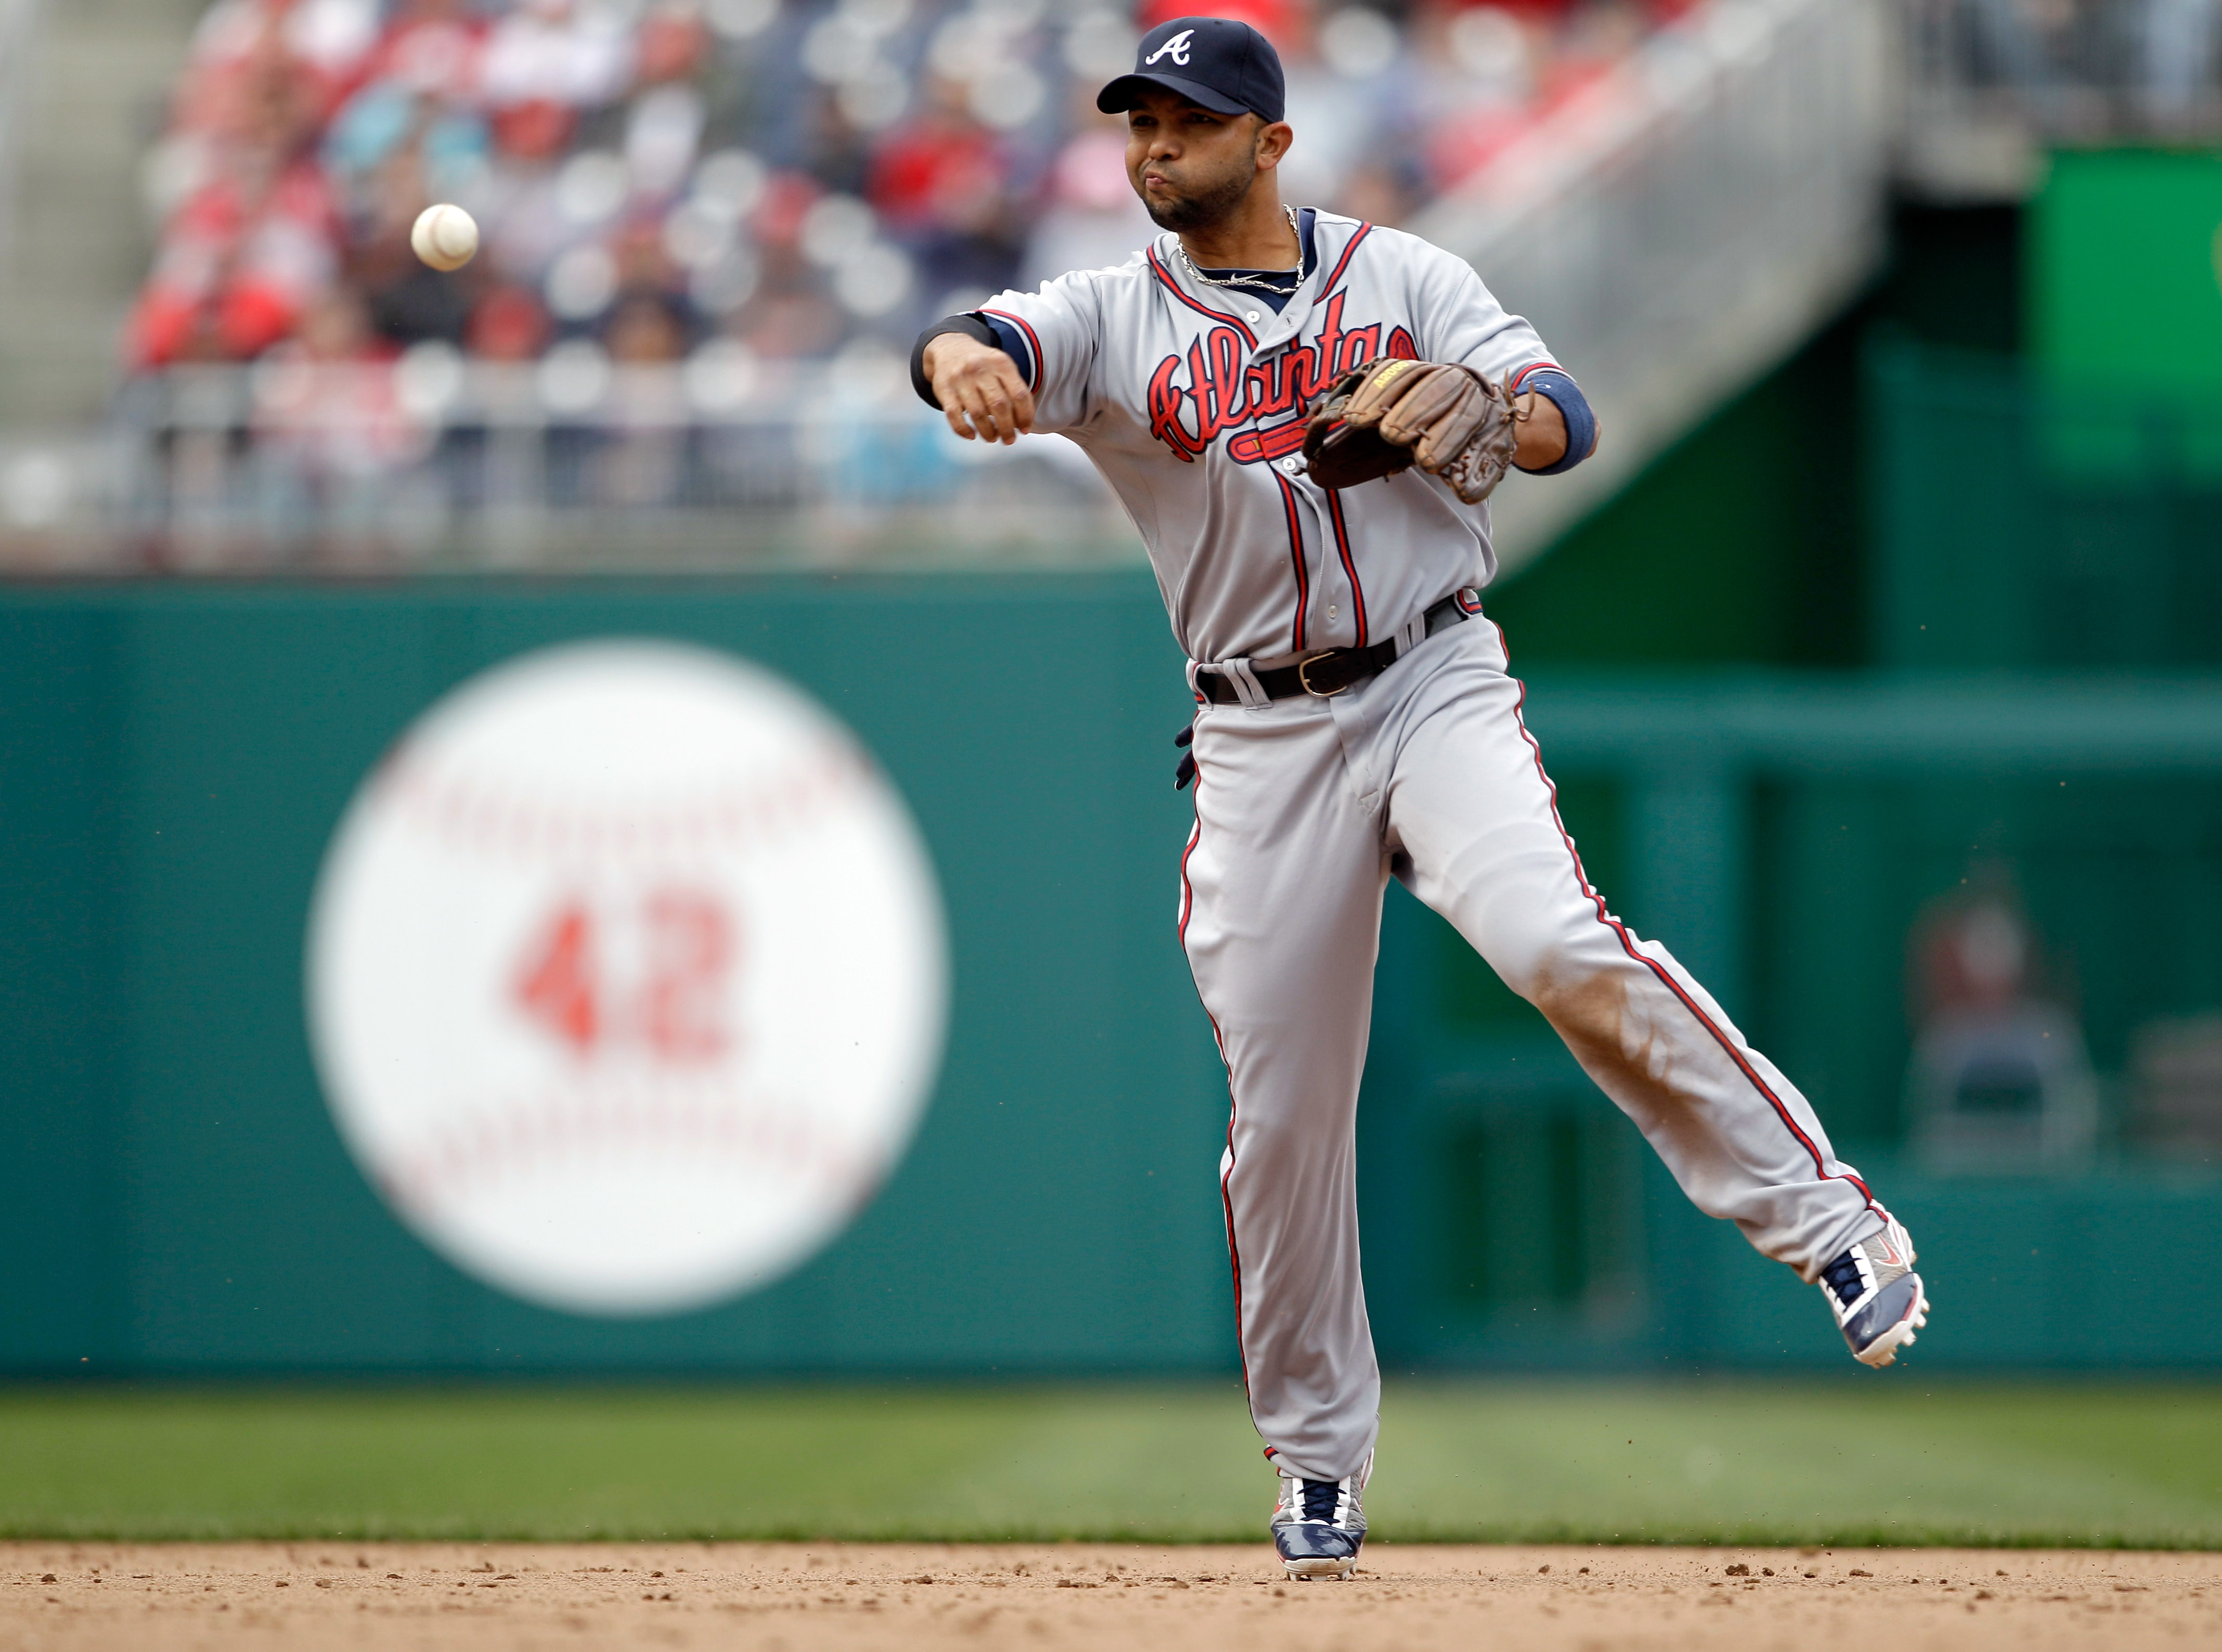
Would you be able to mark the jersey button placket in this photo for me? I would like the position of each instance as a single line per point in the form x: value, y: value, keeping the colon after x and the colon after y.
x: 1292, y: 466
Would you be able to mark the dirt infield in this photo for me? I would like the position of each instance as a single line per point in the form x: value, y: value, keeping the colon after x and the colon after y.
x: 509, y: 1598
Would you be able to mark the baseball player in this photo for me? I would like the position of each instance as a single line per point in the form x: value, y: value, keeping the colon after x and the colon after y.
x: 1303, y: 414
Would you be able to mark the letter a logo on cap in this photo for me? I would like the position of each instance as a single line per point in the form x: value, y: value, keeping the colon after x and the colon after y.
x: 1177, y: 48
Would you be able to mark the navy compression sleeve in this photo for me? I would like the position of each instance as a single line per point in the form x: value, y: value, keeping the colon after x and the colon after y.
x: 1574, y: 408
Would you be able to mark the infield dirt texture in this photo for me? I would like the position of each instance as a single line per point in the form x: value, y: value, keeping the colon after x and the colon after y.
x: 307, y: 1598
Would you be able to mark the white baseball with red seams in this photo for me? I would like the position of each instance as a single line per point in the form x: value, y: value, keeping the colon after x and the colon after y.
x: 1190, y: 398
x: 626, y: 976
x: 444, y: 236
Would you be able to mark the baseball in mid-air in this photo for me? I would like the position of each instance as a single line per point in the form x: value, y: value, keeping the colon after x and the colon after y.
x: 445, y: 236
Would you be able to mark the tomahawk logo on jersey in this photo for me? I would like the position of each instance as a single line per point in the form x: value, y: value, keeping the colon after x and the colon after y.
x: 1190, y: 397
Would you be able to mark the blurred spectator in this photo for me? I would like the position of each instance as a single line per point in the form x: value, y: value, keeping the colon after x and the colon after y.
x: 507, y: 325
x: 2175, y: 1080
x: 1999, y: 1080
x: 1090, y: 217
x: 325, y: 419
x: 788, y: 314
x: 646, y: 329
x: 941, y: 183
x: 1277, y: 19
x: 253, y: 239
x: 2175, y: 42
x: 556, y: 54
x: 431, y: 48
x: 642, y: 461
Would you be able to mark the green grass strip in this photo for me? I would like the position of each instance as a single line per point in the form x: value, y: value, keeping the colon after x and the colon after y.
x: 1895, y: 1460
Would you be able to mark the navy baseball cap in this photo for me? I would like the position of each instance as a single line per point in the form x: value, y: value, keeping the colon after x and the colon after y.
x: 1227, y: 66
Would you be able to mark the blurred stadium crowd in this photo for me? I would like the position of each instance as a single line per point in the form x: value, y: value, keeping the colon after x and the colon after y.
x: 725, y: 182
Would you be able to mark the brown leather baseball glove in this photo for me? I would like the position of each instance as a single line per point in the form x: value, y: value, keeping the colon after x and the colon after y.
x: 1380, y: 418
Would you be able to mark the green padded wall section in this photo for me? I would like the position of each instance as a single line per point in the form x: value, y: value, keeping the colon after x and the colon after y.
x: 2125, y: 268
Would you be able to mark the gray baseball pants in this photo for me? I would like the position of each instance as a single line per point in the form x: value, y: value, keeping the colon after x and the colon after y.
x: 1301, y: 805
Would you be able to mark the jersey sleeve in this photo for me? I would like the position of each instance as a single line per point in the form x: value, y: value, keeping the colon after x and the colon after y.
x: 1462, y: 321
x: 1058, y: 331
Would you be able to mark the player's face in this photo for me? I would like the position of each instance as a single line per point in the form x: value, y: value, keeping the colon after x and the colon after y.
x: 1190, y: 166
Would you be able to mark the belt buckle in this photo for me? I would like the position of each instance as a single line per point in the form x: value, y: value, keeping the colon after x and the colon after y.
x: 1304, y: 680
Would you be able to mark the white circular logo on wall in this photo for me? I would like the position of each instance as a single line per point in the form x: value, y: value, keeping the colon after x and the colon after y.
x: 626, y: 976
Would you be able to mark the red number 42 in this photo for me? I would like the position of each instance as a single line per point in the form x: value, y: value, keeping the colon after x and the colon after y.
x: 674, y: 1007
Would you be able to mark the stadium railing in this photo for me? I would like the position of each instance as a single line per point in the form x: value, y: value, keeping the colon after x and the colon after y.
x: 433, y: 460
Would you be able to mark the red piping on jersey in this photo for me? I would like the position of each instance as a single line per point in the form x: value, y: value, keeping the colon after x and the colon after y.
x: 1328, y: 285
x: 1188, y: 894
x: 1227, y: 1203
x: 1295, y: 556
x: 1349, y: 567
x: 1033, y: 342
x: 1173, y: 288
x: 1627, y: 945
x: 1226, y: 1197
x: 1521, y: 377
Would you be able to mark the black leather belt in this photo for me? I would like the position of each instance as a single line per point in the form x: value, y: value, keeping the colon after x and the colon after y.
x: 1332, y: 670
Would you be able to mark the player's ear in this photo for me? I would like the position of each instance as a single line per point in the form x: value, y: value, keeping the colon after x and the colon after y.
x: 1271, y: 143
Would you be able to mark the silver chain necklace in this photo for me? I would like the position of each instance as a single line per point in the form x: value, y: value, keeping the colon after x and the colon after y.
x: 1300, y: 272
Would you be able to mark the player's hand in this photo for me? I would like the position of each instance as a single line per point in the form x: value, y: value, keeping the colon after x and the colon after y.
x: 979, y: 389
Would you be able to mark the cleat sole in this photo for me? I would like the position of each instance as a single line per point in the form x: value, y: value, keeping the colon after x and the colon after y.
x: 1306, y: 1571
x: 1883, y: 1350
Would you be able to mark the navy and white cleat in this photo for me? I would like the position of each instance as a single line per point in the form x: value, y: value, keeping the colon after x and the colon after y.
x: 1876, y: 1295
x: 1319, y: 1525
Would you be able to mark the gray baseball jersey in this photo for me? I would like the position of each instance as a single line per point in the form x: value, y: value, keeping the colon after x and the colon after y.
x: 1190, y: 399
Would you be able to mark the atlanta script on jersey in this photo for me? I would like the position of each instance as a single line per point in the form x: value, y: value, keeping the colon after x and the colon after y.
x: 1190, y: 399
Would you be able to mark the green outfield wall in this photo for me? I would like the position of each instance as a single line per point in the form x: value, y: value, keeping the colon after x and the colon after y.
x: 172, y: 763
x: 175, y: 1200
